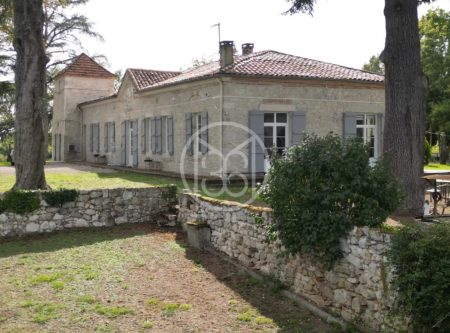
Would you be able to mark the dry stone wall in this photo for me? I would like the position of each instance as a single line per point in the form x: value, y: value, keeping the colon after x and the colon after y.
x: 94, y: 208
x: 357, y: 289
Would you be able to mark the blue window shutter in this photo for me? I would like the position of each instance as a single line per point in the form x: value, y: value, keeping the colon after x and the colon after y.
x: 91, y: 139
x: 97, y: 137
x: 256, y: 152
x: 298, y: 127
x: 189, y: 141
x: 134, y: 143
x: 123, y: 142
x: 105, y: 137
x: 158, y: 135
x: 153, y: 128
x: 380, y: 126
x: 143, y: 135
x: 148, y: 137
x: 349, y: 125
x: 112, y: 134
x: 204, y: 133
x: 170, y: 135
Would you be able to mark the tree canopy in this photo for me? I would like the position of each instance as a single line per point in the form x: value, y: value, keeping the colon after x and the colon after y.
x: 435, y: 38
x: 374, y: 65
x: 61, y: 32
x: 307, y: 6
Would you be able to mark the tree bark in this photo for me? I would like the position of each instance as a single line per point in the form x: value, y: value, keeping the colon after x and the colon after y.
x: 443, y: 154
x: 405, y: 84
x: 30, y: 80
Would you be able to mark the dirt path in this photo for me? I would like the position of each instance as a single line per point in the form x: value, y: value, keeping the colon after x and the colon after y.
x: 59, y: 167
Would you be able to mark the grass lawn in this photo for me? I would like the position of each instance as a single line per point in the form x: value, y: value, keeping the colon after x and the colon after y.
x: 92, y: 180
x: 437, y: 166
x: 3, y: 163
x: 135, y: 278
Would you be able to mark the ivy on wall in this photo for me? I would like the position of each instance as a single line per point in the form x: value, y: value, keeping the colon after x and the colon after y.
x: 19, y: 202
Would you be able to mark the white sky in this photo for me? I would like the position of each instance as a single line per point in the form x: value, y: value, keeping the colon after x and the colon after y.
x: 168, y: 35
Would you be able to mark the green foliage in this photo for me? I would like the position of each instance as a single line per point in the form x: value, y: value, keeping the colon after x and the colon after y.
x: 19, y: 202
x: 434, y: 29
x: 374, y: 65
x: 62, y: 30
x: 169, y: 194
x: 112, y: 311
x: 427, y: 152
x: 7, y: 97
x: 321, y: 189
x: 59, y: 197
x: 420, y: 257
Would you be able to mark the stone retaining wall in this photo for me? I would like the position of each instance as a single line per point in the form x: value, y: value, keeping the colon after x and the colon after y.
x: 94, y: 208
x: 357, y: 289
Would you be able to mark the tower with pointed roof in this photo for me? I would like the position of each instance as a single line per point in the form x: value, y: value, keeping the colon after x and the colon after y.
x: 82, y: 80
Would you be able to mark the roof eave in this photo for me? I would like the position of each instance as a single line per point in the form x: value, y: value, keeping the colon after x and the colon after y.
x: 97, y: 100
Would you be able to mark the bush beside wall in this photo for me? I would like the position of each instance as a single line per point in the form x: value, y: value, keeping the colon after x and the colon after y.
x: 420, y: 256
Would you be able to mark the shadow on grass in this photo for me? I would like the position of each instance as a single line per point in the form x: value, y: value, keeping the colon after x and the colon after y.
x: 72, y: 238
x: 142, y: 178
x: 263, y: 295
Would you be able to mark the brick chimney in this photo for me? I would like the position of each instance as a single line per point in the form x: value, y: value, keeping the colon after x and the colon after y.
x: 247, y: 48
x: 226, y: 53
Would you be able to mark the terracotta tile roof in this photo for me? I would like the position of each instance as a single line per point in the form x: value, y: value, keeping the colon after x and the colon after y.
x: 143, y: 78
x: 84, y: 65
x: 273, y: 64
x: 276, y: 64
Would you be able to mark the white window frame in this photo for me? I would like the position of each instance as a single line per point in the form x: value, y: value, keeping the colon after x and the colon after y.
x: 274, y: 126
x: 367, y: 127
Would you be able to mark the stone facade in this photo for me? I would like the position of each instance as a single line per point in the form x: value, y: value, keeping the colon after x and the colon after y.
x: 225, y: 100
x: 67, y: 120
x: 357, y: 289
x: 94, y: 208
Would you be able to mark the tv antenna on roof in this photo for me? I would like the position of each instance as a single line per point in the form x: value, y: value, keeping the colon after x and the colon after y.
x: 218, y: 28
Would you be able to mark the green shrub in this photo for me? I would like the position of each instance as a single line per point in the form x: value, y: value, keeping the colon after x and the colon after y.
x: 20, y: 202
x: 59, y: 197
x: 420, y: 257
x: 169, y: 194
x: 321, y: 189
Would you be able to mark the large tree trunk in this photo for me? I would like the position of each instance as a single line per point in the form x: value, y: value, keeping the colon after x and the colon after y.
x: 30, y: 148
x: 404, y: 128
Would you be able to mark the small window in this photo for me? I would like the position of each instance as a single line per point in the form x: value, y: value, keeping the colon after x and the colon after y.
x: 366, y: 129
x: 275, y: 130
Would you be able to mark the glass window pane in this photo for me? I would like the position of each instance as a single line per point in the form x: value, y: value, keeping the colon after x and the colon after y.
x: 360, y: 132
x: 370, y: 120
x: 281, y: 131
x: 281, y: 117
x: 268, y: 131
x: 360, y: 120
x: 268, y: 117
x: 268, y: 142
x: 281, y: 142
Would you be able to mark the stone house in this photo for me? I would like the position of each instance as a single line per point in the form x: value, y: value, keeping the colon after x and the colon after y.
x: 216, y: 120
